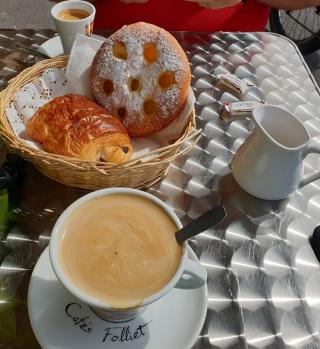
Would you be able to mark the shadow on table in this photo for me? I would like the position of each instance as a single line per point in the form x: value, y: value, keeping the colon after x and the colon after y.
x: 41, y: 200
x: 233, y: 196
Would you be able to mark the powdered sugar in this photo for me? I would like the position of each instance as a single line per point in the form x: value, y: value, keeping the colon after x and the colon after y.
x: 106, y: 66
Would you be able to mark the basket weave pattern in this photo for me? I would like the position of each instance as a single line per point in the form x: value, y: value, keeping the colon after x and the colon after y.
x: 139, y: 173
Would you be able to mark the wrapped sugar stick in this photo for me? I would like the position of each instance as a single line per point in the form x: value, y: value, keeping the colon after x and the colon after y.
x: 233, y: 84
x: 238, y: 110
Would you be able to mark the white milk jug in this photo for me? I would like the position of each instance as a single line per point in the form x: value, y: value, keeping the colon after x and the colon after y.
x: 269, y: 164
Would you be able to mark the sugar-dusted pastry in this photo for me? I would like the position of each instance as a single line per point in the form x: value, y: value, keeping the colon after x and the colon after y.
x: 141, y: 75
x: 73, y: 125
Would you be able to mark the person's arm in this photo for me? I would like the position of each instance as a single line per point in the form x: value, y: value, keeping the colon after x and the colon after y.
x: 291, y: 4
x: 216, y: 4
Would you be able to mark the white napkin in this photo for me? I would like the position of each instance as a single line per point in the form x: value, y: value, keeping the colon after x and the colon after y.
x: 143, y: 146
x: 172, y: 132
x: 79, y: 64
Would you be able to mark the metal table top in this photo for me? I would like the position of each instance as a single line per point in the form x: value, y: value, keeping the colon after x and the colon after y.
x: 264, y: 280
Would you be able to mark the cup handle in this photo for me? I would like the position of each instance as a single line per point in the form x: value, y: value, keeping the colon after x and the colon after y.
x: 194, y: 276
x: 313, y: 147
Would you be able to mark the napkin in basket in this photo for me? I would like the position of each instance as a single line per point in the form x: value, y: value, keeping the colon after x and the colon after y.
x: 79, y: 64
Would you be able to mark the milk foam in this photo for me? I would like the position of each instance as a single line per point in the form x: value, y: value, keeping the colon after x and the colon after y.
x: 120, y: 249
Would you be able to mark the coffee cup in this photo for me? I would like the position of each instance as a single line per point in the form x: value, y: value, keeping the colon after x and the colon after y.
x: 115, y: 250
x: 72, y: 17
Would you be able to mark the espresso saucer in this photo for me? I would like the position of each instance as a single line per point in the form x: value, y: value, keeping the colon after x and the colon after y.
x: 61, y: 321
x: 53, y: 47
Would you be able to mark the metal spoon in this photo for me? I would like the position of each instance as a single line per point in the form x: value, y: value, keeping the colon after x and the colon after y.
x: 202, y: 223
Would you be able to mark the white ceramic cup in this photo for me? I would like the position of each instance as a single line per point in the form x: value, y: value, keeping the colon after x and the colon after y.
x: 68, y: 29
x: 189, y: 274
x: 269, y: 164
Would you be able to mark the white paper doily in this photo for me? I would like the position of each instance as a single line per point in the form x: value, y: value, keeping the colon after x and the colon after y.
x: 34, y: 95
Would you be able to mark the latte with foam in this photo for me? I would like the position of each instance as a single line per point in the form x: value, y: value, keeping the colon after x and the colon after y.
x: 120, y: 248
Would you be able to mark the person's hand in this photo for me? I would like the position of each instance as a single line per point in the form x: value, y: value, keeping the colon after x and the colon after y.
x: 216, y: 4
x: 129, y: 1
x: 126, y: 1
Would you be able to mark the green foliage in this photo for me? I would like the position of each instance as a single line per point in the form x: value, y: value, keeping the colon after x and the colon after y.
x: 4, y: 209
x: 7, y: 325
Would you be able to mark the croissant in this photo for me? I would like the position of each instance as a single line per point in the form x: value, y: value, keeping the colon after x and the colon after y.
x: 73, y: 125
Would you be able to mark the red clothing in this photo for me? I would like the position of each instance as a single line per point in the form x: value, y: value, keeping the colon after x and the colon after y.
x: 182, y: 15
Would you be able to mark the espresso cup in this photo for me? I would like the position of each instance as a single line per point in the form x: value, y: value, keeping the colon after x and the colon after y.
x: 188, y: 275
x: 69, y: 28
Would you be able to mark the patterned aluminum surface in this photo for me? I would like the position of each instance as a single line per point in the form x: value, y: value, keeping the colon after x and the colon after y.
x: 264, y: 279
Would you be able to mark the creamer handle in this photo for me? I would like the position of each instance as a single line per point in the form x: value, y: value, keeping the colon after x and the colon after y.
x: 313, y: 147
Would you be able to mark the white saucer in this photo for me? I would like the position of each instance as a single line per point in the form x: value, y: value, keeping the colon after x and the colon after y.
x: 53, y: 47
x: 173, y: 322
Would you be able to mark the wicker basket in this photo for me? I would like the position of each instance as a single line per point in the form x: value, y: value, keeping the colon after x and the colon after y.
x: 142, y: 172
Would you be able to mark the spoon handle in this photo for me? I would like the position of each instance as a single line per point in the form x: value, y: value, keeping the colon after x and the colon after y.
x: 204, y: 222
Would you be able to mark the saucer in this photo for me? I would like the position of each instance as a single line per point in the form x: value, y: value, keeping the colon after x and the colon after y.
x: 59, y: 320
x: 53, y: 47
